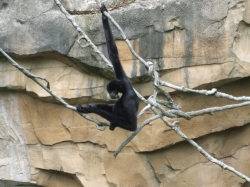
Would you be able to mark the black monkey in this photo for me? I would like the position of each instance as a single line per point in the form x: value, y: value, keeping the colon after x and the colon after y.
x: 123, y: 113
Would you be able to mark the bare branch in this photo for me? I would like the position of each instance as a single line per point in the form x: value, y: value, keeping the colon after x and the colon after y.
x: 101, y: 125
x: 143, y: 111
x: 135, y: 133
x: 82, y: 33
x: 216, y: 109
x: 176, y: 128
x: 205, y: 92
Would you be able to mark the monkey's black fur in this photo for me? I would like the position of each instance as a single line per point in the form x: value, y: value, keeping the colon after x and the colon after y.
x: 123, y: 113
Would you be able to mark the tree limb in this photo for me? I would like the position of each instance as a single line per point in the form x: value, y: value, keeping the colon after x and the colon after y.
x: 133, y: 134
x: 205, y: 92
x: 216, y: 109
x: 100, y: 125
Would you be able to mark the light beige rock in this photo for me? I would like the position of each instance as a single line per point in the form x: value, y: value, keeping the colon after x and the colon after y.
x: 56, y: 179
x: 182, y: 165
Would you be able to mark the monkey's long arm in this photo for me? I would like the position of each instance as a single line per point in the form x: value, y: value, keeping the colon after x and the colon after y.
x: 112, y: 49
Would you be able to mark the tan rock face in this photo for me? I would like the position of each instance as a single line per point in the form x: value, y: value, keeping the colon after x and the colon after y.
x: 183, y: 165
x: 44, y: 126
x: 194, y: 44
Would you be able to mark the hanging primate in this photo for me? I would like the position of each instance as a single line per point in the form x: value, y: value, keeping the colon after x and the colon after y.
x: 123, y: 113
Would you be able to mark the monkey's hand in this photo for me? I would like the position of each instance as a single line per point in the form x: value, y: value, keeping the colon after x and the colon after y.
x: 111, y: 127
x: 81, y: 109
x: 103, y: 8
x: 85, y: 109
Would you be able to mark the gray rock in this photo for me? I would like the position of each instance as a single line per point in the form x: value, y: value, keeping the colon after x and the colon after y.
x: 29, y: 27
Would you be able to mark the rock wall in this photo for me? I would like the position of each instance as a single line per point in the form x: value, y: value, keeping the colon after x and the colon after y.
x: 196, y: 44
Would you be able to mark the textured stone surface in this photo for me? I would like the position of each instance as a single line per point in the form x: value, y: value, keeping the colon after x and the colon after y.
x: 13, y: 155
x: 26, y: 23
x: 197, y: 44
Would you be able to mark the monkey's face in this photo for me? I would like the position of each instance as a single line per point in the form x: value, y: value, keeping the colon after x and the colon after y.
x: 113, y: 88
x: 114, y: 95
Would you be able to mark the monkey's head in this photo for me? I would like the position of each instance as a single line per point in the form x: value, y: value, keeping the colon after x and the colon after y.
x: 114, y: 87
